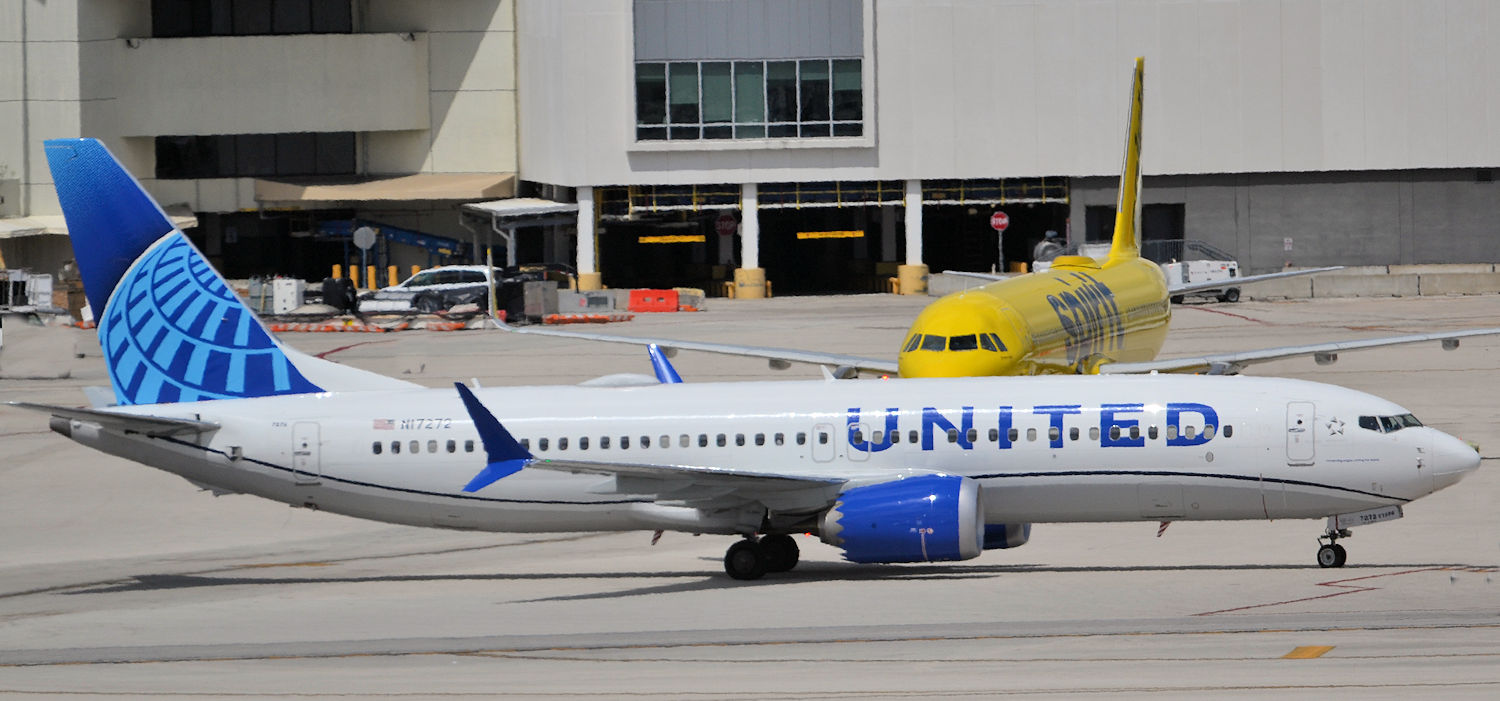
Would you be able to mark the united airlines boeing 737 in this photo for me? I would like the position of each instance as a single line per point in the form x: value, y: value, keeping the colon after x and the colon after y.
x: 910, y: 470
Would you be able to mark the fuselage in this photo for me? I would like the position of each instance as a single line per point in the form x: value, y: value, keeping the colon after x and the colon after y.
x: 1046, y: 449
x: 1066, y: 320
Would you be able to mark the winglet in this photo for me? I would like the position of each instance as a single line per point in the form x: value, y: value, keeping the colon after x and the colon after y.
x: 506, y: 456
x: 664, y: 370
x: 1127, y: 240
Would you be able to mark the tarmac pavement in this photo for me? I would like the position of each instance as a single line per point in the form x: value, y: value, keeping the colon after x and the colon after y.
x: 119, y: 580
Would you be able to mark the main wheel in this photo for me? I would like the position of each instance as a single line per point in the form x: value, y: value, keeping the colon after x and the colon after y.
x: 1331, y: 555
x: 428, y: 304
x: 781, y: 552
x: 745, y: 560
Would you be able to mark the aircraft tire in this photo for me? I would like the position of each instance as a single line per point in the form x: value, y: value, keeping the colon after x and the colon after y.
x: 746, y: 560
x: 427, y: 304
x: 781, y: 552
x: 1332, y: 555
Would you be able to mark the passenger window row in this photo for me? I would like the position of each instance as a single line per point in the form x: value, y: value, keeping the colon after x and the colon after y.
x: 433, y: 446
x: 685, y: 440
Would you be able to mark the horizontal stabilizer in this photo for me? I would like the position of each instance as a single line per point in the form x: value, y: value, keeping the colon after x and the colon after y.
x: 127, y: 423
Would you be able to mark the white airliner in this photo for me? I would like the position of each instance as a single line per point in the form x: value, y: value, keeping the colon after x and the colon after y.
x: 914, y: 470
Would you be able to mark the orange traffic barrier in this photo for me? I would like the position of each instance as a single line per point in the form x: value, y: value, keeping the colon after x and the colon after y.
x: 653, y: 300
x: 585, y: 318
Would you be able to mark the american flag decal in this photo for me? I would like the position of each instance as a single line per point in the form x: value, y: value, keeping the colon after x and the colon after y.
x: 385, y: 425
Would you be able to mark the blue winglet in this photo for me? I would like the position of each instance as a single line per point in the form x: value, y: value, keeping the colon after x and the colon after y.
x: 505, y: 455
x: 664, y: 370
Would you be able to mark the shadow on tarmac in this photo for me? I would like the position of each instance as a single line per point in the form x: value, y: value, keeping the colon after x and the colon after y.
x: 807, y: 573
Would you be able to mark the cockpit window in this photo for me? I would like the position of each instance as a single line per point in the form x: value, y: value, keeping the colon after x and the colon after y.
x: 911, y: 344
x: 1388, y: 424
x: 999, y: 345
x: 934, y: 343
x: 963, y: 343
x: 986, y: 343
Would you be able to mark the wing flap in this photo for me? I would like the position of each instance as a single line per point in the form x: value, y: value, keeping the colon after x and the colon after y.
x: 1186, y: 287
x: 1232, y: 363
x: 785, y: 355
x: 125, y: 423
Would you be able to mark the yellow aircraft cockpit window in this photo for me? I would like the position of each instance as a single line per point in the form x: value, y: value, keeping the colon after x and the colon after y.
x: 933, y: 342
x: 963, y: 343
x: 912, y: 343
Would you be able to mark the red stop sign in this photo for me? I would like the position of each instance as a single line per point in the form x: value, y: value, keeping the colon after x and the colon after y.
x: 726, y: 224
x: 999, y: 221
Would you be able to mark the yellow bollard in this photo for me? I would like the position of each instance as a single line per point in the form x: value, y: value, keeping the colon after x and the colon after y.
x: 338, y: 271
x: 370, y: 276
x: 415, y: 269
x: 390, y: 274
x: 354, y: 275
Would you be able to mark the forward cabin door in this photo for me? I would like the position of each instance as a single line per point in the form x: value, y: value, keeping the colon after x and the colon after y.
x: 1299, y: 433
x: 306, y: 463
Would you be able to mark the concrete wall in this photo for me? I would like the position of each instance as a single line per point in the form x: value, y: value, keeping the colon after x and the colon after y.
x: 1362, y: 218
x: 266, y: 84
x: 1024, y: 88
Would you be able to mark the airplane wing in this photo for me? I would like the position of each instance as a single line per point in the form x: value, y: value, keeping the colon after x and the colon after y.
x: 1186, y: 287
x: 701, y: 486
x: 779, y: 358
x: 992, y: 277
x: 129, y: 423
x: 1324, y: 353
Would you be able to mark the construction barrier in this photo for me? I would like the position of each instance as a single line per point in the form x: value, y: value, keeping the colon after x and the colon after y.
x: 585, y: 318
x: 336, y: 327
x: 653, y: 301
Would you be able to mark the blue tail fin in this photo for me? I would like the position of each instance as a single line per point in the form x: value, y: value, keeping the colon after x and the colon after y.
x: 171, y: 329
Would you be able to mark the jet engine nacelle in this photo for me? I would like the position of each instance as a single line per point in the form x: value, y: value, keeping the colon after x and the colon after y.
x: 998, y: 536
x: 918, y: 519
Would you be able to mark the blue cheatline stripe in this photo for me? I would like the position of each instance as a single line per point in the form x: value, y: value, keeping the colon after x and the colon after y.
x: 1168, y: 473
x: 404, y: 490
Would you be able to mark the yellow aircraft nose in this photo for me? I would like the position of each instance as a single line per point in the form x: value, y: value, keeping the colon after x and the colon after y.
x: 960, y: 337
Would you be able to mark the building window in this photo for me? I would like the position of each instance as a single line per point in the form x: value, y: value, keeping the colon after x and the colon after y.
x: 255, y: 155
x: 691, y: 100
x: 201, y: 18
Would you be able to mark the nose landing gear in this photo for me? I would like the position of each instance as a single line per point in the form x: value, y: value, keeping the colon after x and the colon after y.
x: 752, y: 558
x: 1331, y: 554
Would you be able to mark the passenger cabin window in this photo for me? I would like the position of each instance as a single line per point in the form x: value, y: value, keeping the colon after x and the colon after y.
x: 395, y: 447
x: 415, y: 446
x: 562, y: 444
x: 526, y: 444
x: 801, y: 439
x: 703, y: 440
x: 684, y: 440
x: 994, y: 435
x: 1093, y: 433
x: 952, y: 435
x: 1030, y: 434
x: 376, y: 447
x: 541, y: 444
x: 973, y: 435
x: 739, y: 439
x: 822, y: 438
x: 604, y: 442
x: 1013, y: 435
x: 625, y: 442
x: 1054, y: 433
x: 1171, y: 432
x: 583, y: 443
x: 1073, y: 433
x: 720, y: 440
x: 913, y: 437
x: 1151, y: 433
x: 760, y: 439
x: 1228, y: 431
x: 432, y: 446
x: 468, y: 446
x: 1208, y: 431
x: 453, y: 446
x: 858, y: 436
x: 780, y: 439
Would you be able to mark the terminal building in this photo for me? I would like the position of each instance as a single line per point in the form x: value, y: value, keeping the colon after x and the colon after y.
x: 816, y: 145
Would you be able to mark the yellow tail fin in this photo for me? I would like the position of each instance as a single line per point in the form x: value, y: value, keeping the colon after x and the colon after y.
x: 1127, y: 241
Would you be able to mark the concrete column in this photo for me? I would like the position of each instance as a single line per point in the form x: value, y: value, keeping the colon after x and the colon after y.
x: 913, y: 275
x: 749, y: 278
x: 588, y: 274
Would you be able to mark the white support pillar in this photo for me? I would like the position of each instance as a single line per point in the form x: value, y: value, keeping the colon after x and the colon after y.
x: 913, y: 275
x: 749, y: 226
x: 588, y: 272
x: 750, y: 278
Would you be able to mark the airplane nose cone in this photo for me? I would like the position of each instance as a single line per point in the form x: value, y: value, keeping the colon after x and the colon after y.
x: 1452, y: 459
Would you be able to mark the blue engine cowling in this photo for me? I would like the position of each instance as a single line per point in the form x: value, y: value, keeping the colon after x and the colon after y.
x: 918, y: 519
x: 998, y: 536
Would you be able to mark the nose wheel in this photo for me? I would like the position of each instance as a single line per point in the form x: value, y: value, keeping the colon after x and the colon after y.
x: 752, y: 558
x: 1330, y: 553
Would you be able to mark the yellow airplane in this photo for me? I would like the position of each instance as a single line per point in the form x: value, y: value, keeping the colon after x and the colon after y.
x: 1081, y: 316
x: 1077, y: 315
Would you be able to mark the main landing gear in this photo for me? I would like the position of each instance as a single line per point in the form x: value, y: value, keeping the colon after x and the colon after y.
x: 1331, y: 554
x: 752, y: 559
